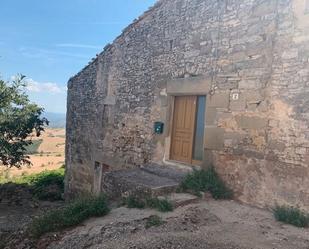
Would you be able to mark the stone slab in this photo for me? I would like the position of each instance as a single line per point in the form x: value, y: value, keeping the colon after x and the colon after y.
x: 180, y: 199
x: 219, y: 100
x: 110, y: 100
x: 165, y: 171
x: 191, y: 85
x: 137, y: 182
x: 251, y: 122
x: 214, y: 138
x: 211, y: 114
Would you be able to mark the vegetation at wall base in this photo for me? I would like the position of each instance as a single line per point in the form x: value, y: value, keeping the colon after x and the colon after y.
x: 206, y: 180
x: 71, y: 215
x: 291, y: 215
x: 154, y: 220
x: 162, y: 205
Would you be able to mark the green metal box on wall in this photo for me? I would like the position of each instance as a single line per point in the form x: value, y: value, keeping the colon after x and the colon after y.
x: 158, y: 127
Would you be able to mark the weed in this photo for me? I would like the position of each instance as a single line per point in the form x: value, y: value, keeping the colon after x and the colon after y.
x: 154, y: 220
x: 291, y: 215
x: 206, y: 180
x: 133, y: 202
x: 71, y: 215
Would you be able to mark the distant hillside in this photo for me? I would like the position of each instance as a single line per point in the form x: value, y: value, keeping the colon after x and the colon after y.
x: 56, y: 120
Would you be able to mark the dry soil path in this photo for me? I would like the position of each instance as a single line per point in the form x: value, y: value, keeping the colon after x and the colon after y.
x: 207, y: 224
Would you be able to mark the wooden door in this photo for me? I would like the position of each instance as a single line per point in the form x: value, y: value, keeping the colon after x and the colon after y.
x: 183, y: 128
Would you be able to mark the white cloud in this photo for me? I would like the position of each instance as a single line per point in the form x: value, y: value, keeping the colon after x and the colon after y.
x: 76, y: 45
x: 44, y: 87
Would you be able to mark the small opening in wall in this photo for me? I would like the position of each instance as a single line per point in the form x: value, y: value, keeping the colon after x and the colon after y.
x: 96, y: 165
x: 171, y: 44
x: 105, y: 168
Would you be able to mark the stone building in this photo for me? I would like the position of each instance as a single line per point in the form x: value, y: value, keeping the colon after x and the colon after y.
x: 200, y: 82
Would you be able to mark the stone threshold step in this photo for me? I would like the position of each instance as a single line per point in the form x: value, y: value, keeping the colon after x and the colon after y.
x: 149, y: 180
x: 180, y: 199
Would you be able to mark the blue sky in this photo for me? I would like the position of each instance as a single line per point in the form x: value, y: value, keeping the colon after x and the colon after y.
x: 49, y: 41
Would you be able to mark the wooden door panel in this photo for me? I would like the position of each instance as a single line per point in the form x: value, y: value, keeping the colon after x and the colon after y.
x: 183, y: 128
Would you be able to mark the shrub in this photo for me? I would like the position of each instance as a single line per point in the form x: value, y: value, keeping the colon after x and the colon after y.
x: 133, y: 202
x: 206, y: 180
x: 291, y: 215
x: 154, y: 220
x: 47, y: 185
x: 71, y: 215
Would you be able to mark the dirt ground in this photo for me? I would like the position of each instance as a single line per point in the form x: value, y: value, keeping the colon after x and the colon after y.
x: 206, y: 224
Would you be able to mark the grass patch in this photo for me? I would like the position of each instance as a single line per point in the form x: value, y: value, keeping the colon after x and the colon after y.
x: 5, y: 176
x: 206, y: 180
x: 154, y: 220
x: 33, y: 148
x: 71, y: 215
x: 162, y: 205
x: 133, y: 202
x: 291, y: 215
x: 47, y: 185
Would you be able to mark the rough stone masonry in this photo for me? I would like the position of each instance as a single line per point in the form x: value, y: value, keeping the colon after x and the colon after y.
x: 251, y: 60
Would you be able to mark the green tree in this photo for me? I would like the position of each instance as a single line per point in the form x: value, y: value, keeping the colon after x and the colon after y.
x: 19, y: 120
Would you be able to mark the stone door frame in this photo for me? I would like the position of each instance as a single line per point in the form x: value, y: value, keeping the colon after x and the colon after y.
x: 191, y: 86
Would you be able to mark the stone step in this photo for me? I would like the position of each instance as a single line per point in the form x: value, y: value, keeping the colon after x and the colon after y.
x: 180, y: 199
x: 171, y: 172
x: 137, y: 182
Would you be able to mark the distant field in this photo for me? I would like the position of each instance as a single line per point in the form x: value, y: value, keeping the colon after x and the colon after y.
x: 33, y: 148
x: 46, y: 153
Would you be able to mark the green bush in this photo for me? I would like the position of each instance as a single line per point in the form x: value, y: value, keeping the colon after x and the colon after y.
x: 133, y: 202
x: 47, y: 185
x: 291, y: 215
x: 154, y: 220
x: 162, y: 205
x: 206, y: 180
x: 71, y: 215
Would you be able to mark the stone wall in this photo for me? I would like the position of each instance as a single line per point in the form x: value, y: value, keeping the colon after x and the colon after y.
x: 249, y: 57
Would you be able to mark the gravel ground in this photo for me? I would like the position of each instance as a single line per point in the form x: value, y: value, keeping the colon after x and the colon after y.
x: 206, y: 224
